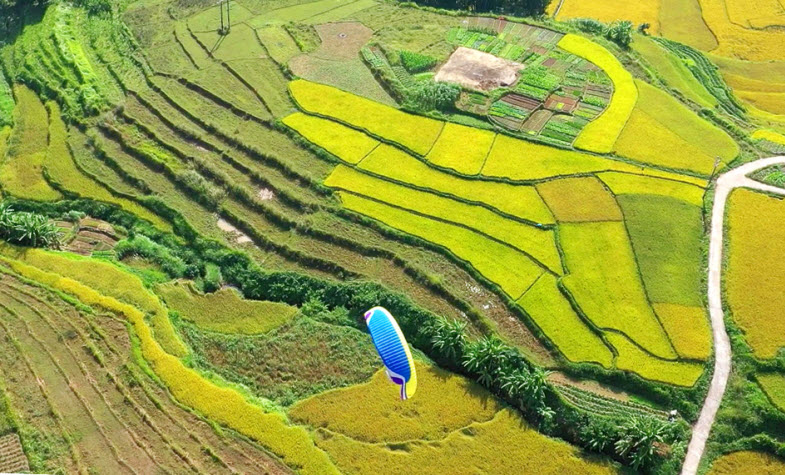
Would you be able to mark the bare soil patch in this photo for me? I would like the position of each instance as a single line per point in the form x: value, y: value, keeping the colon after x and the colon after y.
x: 238, y: 236
x: 478, y: 70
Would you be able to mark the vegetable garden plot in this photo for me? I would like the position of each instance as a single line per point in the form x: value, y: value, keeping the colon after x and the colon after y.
x: 604, y: 281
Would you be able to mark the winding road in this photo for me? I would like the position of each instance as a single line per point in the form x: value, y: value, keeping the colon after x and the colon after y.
x: 736, y: 178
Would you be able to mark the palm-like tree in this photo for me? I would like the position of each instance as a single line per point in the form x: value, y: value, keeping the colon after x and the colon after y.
x: 641, y: 437
x: 449, y: 337
x: 487, y: 358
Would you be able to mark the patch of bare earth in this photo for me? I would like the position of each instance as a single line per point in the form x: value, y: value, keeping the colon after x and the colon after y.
x: 238, y: 236
x: 478, y: 70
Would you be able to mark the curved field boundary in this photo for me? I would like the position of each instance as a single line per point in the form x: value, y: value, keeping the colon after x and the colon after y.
x: 722, y: 350
x: 600, y: 135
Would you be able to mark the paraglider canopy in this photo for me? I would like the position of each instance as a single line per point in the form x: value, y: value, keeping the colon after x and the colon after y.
x: 393, y: 349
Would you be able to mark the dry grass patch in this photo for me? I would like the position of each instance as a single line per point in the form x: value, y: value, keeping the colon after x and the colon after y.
x: 551, y: 311
x: 756, y: 269
x: 603, y: 278
x: 579, y: 200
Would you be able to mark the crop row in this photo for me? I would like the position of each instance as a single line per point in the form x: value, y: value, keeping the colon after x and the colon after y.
x: 594, y: 403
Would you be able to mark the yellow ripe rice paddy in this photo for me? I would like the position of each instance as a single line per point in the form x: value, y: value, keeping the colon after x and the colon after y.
x: 513, y: 271
x: 221, y: 404
x: 608, y: 11
x: 688, y: 329
x: 631, y: 184
x: 551, y: 311
x: 661, y: 131
x: 755, y: 273
x: 579, y: 200
x: 521, y: 201
x: 462, y: 148
x: 538, y: 243
x: 604, y: 280
x: 773, y: 384
x: 347, y: 144
x: 413, y: 132
x: 771, y: 136
x: 374, y: 412
x: 522, y: 160
x: 600, y: 135
x: 505, y: 444
x: 633, y: 359
x: 748, y: 463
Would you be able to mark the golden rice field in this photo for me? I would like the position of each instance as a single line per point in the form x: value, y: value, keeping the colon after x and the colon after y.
x: 395, y: 164
x: 221, y: 404
x: 608, y: 11
x: 755, y: 269
x: 603, y: 279
x: 632, y: 358
x: 371, y: 412
x: 413, y: 132
x: 600, y: 135
x: 341, y: 141
x: 661, y: 131
x: 512, y: 270
x: 771, y: 136
x: 688, y: 329
x: 773, y: 384
x: 536, y: 242
x: 747, y: 463
x: 461, y: 148
x: 630, y: 184
x: 552, y: 312
x: 579, y: 200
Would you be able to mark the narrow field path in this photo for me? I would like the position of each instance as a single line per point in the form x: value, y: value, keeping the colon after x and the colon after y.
x: 736, y: 178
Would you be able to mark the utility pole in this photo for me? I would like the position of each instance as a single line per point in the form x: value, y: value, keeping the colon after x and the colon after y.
x: 228, y: 20
x: 220, y: 4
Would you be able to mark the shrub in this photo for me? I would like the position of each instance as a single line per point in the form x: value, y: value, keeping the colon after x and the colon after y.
x: 436, y: 95
x: 142, y: 246
x: 416, y: 62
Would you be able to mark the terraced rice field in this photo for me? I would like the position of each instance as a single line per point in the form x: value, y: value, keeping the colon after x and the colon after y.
x: 264, y: 185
